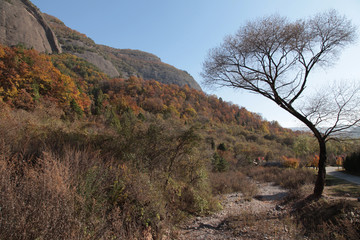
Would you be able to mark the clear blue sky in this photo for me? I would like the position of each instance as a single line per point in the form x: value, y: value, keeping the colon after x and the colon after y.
x: 181, y: 32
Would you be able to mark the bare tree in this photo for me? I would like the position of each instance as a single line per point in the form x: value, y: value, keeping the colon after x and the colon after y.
x: 274, y: 57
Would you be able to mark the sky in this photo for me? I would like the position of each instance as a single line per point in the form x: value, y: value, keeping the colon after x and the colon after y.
x: 181, y: 33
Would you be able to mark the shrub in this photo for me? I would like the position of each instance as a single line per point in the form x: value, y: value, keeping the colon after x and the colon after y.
x: 76, y: 196
x: 314, y: 162
x: 295, y: 178
x: 37, y: 204
x: 263, y: 174
x: 285, y: 177
x: 219, y: 164
x: 229, y: 182
x: 109, y: 184
x: 329, y: 219
x: 291, y: 162
x: 221, y: 147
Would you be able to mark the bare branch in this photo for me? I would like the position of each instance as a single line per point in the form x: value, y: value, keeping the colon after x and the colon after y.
x: 336, y: 108
x: 274, y: 57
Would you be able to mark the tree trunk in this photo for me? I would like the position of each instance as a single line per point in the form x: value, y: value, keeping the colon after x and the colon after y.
x: 320, y: 180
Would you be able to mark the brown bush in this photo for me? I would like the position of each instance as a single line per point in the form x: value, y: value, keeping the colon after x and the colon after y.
x: 228, y: 182
x: 76, y: 196
x: 36, y: 202
x: 286, y: 177
x: 64, y: 180
x: 263, y: 174
x: 330, y: 219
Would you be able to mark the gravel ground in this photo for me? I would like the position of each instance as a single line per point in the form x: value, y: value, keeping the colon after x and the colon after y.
x: 241, y: 219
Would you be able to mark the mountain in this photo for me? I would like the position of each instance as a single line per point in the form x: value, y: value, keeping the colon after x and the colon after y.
x: 355, y: 132
x: 119, y: 62
x: 22, y: 23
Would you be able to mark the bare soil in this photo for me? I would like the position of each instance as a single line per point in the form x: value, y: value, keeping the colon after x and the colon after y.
x: 260, y: 218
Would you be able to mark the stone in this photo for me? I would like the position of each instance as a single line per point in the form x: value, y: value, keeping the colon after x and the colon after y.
x: 22, y: 23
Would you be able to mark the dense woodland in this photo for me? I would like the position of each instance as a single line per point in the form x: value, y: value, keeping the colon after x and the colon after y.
x: 117, y: 157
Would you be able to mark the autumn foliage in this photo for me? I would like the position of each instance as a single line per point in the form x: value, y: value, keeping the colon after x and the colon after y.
x: 180, y: 102
x: 314, y: 162
x: 27, y: 77
x: 291, y: 162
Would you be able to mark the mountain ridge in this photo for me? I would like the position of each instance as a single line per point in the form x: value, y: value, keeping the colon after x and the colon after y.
x: 119, y: 62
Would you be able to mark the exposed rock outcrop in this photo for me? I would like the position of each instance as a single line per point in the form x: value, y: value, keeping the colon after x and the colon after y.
x: 22, y: 23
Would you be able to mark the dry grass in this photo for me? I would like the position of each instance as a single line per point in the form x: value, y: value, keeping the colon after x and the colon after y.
x: 36, y: 203
x: 329, y: 219
x: 83, y: 180
x: 233, y: 181
x: 76, y: 196
x: 263, y: 226
x: 285, y: 177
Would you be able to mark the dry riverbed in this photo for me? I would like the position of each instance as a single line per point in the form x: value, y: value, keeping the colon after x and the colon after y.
x: 261, y: 218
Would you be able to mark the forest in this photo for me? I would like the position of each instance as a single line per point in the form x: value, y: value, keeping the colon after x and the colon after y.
x: 86, y: 156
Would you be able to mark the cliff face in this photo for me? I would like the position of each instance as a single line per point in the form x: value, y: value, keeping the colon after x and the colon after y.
x: 22, y: 23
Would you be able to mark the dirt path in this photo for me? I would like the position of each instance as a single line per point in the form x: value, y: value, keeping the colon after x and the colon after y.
x: 241, y: 219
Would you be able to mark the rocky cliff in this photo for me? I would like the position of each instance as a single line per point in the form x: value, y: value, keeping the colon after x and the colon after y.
x: 22, y: 23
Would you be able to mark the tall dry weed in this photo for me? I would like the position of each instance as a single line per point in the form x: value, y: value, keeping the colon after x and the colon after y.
x: 33, y: 204
x: 329, y: 219
x: 286, y: 177
x: 75, y: 180
x: 75, y: 196
x: 232, y: 181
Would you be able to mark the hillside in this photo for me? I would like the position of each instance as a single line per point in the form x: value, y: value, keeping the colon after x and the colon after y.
x: 39, y: 76
x: 78, y: 88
